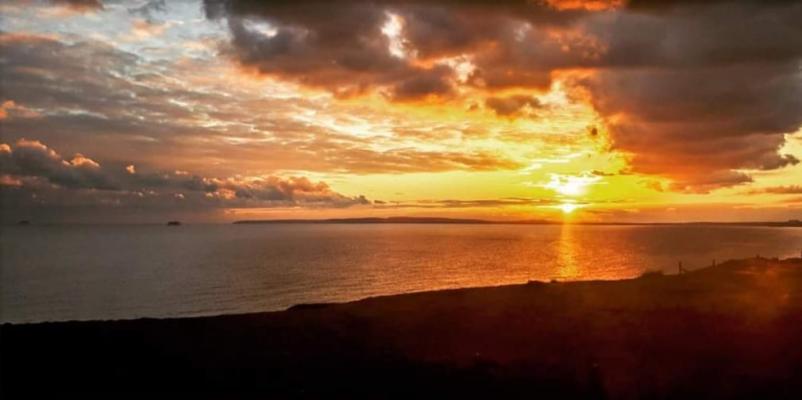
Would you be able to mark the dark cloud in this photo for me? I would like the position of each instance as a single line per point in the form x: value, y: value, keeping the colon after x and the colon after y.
x: 432, y: 82
x: 34, y: 159
x: 693, y: 123
x: 80, y: 5
x: 692, y: 90
x: 699, y: 183
x: 789, y: 189
x: 512, y: 105
x: 597, y: 172
x: 662, y: 5
x: 698, y: 92
x: 340, y: 47
x: 695, y: 92
x: 33, y: 173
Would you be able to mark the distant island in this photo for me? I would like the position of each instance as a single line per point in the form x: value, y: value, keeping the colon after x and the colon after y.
x: 441, y: 220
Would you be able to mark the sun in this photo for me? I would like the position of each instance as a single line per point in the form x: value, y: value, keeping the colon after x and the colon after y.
x: 568, y: 208
x: 569, y: 185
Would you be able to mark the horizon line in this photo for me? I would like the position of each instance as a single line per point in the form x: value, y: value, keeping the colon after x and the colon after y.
x: 418, y: 220
x: 468, y: 221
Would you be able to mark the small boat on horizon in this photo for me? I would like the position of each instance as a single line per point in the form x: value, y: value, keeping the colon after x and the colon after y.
x: 173, y: 223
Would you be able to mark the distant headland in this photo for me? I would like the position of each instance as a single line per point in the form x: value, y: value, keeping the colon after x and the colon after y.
x: 375, y: 220
x: 442, y: 220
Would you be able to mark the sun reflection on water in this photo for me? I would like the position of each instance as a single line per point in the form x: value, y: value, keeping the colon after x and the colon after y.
x: 567, y: 253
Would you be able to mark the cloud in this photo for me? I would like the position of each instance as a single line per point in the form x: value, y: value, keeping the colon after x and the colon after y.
x: 125, y: 107
x: 6, y: 105
x: 587, y: 4
x: 512, y: 105
x: 149, y: 9
x: 31, y: 167
x: 343, y: 46
x: 339, y: 47
x: 80, y: 5
x: 29, y: 158
x: 698, y: 92
x: 491, y: 203
x: 467, y: 203
x: 431, y: 82
x: 692, y: 91
x: 323, y: 37
x: 143, y: 29
x: 294, y: 189
x: 693, y: 182
x: 695, y: 95
x: 789, y: 189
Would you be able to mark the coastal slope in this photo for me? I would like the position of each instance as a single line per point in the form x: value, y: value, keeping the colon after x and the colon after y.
x: 727, y: 331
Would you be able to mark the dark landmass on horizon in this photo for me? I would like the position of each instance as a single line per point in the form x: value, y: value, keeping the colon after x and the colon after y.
x: 468, y: 221
x: 793, y: 223
x: 729, y: 331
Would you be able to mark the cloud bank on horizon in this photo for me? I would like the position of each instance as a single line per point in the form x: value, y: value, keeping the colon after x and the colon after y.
x: 623, y: 109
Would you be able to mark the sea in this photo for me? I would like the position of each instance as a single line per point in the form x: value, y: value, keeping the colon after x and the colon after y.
x: 106, y: 272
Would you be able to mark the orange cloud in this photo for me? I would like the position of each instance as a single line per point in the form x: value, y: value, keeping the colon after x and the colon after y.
x: 591, y: 5
x: 687, y: 109
x: 8, y: 104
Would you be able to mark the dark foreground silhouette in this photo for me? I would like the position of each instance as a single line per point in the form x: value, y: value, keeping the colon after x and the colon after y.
x: 731, y: 331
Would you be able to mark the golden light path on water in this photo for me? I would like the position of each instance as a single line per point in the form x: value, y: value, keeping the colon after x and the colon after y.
x: 566, y: 253
x: 160, y: 271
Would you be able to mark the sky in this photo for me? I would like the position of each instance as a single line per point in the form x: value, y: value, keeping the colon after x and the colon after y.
x: 221, y: 110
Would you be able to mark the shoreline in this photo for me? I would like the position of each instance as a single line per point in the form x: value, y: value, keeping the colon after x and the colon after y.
x: 720, y: 331
x: 299, y: 306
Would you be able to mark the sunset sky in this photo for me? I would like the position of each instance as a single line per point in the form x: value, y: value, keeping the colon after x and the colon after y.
x: 218, y: 110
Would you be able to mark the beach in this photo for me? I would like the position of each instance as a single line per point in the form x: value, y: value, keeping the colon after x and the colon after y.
x: 726, y: 331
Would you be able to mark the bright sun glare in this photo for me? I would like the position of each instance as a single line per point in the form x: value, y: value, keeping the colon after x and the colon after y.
x: 568, y: 208
x: 570, y: 185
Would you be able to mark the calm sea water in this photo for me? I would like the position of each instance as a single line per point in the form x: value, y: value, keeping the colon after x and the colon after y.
x: 130, y: 271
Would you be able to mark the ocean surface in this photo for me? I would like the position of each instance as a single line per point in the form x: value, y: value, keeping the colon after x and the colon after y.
x: 88, y: 272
